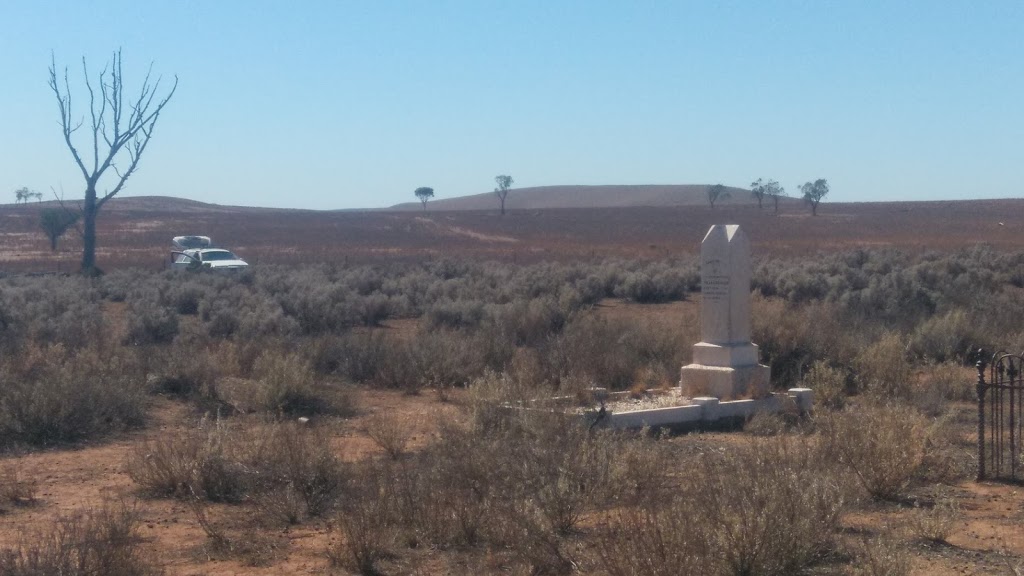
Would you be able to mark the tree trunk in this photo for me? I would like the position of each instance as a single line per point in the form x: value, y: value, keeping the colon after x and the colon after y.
x: 89, y: 212
x: 502, y: 205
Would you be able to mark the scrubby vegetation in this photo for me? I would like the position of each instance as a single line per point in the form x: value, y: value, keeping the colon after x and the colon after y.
x: 269, y: 365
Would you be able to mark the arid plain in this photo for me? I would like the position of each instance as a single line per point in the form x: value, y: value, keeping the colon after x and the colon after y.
x: 937, y: 522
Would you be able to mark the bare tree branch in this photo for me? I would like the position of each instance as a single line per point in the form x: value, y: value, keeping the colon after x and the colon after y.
x: 123, y: 131
x: 64, y: 104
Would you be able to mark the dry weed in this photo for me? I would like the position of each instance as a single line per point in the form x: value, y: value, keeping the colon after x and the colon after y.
x: 884, y: 370
x: 936, y: 523
x: 207, y: 461
x: 252, y: 547
x: 98, y: 541
x: 391, y: 433
x: 881, y: 556
x: 828, y: 383
x: 655, y: 541
x: 15, y: 490
x: 367, y: 534
x: 765, y: 424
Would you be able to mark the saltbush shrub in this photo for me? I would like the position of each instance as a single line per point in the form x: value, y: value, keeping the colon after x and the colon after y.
x: 883, y: 446
x: 769, y: 508
x: 98, y: 541
x: 51, y: 395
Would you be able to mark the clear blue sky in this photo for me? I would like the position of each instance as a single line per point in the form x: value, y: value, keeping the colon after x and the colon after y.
x: 355, y: 104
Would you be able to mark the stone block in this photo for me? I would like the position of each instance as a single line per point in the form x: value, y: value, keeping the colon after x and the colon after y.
x: 725, y: 382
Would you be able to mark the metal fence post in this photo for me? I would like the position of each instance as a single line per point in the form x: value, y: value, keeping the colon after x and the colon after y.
x: 980, y: 387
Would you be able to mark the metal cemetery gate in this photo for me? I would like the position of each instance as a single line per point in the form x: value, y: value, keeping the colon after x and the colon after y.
x: 1000, y: 422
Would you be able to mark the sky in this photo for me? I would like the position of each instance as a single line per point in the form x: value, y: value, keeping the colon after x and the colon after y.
x: 338, y: 104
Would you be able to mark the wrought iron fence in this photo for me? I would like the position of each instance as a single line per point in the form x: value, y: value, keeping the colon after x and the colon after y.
x: 1000, y: 417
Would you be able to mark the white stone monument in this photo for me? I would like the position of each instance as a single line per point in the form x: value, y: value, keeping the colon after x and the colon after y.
x: 725, y: 360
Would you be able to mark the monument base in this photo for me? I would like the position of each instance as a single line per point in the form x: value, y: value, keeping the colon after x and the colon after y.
x: 725, y: 382
x: 725, y: 355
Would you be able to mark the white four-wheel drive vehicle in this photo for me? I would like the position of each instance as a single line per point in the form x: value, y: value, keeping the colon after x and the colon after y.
x: 195, y: 252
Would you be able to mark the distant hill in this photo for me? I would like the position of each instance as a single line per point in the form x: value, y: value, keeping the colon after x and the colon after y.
x: 136, y: 231
x: 609, y: 196
x: 165, y: 204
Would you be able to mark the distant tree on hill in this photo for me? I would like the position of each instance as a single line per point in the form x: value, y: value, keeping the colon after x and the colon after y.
x: 759, y: 190
x: 769, y: 188
x: 119, y: 129
x: 504, y: 184
x: 813, y: 193
x: 775, y: 192
x: 23, y: 194
x: 715, y: 193
x: 55, y: 222
x: 424, y: 193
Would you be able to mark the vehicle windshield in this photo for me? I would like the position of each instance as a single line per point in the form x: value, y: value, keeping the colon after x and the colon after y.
x: 218, y: 255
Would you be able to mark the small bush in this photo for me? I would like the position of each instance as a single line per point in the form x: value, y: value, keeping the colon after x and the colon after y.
x: 189, y: 373
x: 610, y: 353
x: 655, y: 541
x: 764, y: 424
x: 952, y: 381
x: 945, y: 338
x: 390, y: 433
x: 935, y: 524
x: 292, y: 458
x: 206, y: 462
x: 251, y: 546
x: 829, y: 385
x: 881, y: 556
x: 55, y: 395
x: 100, y: 541
x: 884, y: 370
x: 367, y: 536
x: 219, y: 463
x: 16, y: 490
x: 286, y: 385
x: 882, y: 446
x: 766, y: 509
x: 148, y: 322
x: 771, y: 506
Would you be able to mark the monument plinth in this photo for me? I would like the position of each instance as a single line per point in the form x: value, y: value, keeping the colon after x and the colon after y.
x: 725, y: 360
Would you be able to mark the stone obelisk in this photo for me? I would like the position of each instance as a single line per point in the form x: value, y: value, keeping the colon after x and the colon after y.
x: 725, y: 360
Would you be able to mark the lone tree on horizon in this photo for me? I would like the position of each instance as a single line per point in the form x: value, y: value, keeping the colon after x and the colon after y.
x: 813, y: 193
x: 715, y: 193
x: 117, y: 132
x: 424, y: 193
x: 504, y: 184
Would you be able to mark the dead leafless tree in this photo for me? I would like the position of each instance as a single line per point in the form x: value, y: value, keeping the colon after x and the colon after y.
x: 118, y: 133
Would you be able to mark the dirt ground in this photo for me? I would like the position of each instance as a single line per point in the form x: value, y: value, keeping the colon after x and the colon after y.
x: 986, y: 538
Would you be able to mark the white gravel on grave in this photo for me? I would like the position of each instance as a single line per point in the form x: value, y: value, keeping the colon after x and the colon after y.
x: 649, y: 401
